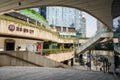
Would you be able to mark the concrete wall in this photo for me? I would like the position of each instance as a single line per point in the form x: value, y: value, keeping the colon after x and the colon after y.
x: 60, y: 57
x: 23, y: 43
x: 9, y: 61
x: 27, y: 57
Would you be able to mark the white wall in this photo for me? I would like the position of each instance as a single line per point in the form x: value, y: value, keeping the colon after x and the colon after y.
x: 23, y: 43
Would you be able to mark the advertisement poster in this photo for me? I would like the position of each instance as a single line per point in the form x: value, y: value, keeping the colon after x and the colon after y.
x: 39, y: 47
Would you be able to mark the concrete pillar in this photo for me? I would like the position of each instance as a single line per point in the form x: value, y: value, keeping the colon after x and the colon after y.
x: 62, y: 46
x: 36, y: 22
x: 72, y: 62
x: 66, y: 29
x: 104, y: 67
x: 111, y: 60
x: 89, y: 59
x: 61, y: 29
x: 28, y: 20
x: 50, y: 44
x: 115, y: 14
x: 41, y: 24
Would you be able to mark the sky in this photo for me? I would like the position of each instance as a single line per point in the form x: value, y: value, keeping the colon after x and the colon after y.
x: 91, y: 25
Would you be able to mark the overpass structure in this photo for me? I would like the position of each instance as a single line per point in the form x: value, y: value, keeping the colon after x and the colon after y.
x: 100, y: 9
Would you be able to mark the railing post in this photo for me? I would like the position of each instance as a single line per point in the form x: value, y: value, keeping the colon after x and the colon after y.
x: 90, y: 58
x: 28, y: 20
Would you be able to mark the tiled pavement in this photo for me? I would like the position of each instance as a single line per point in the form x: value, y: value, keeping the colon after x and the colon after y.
x: 43, y: 73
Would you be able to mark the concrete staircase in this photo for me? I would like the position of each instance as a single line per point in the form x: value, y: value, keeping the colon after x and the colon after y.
x: 91, y: 42
x: 24, y: 58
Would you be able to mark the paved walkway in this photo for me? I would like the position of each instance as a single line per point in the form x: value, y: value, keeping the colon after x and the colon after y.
x: 93, y: 68
x: 77, y: 66
x: 43, y: 73
x: 118, y: 73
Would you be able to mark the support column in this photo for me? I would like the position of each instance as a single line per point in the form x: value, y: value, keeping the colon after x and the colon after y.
x: 111, y: 60
x: 116, y: 15
x: 62, y: 46
x: 104, y: 67
x: 81, y: 59
x: 72, y: 62
x: 28, y: 20
x: 36, y: 22
x: 50, y: 45
x: 89, y: 59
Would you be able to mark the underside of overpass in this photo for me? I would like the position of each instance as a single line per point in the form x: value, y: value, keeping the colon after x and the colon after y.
x: 100, y: 9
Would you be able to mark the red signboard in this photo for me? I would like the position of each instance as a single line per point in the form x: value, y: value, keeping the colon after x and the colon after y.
x: 39, y: 47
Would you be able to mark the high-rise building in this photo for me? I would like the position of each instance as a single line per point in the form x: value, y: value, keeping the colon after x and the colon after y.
x: 42, y: 11
x: 65, y: 17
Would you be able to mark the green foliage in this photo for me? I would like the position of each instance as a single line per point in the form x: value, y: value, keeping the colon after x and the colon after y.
x: 56, y: 51
x: 33, y: 14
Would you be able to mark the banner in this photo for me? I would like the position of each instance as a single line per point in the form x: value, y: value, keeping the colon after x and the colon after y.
x: 39, y: 47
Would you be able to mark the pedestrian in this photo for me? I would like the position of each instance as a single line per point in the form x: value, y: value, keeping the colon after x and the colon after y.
x: 100, y: 68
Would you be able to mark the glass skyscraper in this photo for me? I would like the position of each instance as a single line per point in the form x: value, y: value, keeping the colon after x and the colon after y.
x: 65, y: 17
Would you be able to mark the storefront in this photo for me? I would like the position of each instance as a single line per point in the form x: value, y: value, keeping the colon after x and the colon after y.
x: 16, y: 44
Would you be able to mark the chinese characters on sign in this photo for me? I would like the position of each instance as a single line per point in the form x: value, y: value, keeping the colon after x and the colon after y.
x: 12, y: 28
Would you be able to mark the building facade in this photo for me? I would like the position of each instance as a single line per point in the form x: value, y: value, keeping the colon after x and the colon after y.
x: 42, y: 11
x: 66, y: 32
x: 65, y: 17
